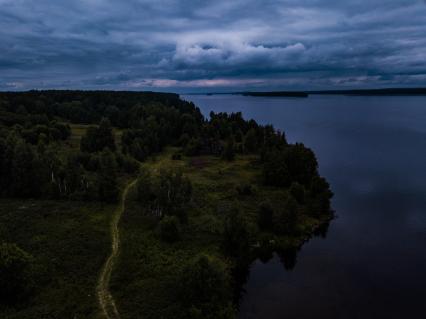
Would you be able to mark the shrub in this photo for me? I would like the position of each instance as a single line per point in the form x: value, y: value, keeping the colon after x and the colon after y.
x: 206, y: 289
x: 298, y: 192
x: 229, y: 150
x: 236, y: 236
x: 176, y: 156
x: 245, y: 189
x: 285, y: 220
x: 169, y: 229
x: 193, y: 147
x: 16, y: 271
x: 265, y: 216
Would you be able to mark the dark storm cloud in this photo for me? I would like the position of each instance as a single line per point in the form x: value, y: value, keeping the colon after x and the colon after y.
x: 185, y: 45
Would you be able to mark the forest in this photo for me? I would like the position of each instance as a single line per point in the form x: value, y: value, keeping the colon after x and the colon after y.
x: 211, y: 195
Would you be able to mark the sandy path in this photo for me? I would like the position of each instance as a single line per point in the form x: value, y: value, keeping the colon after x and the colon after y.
x: 106, y: 301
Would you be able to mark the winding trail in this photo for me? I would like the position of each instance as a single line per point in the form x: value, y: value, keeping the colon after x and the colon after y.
x: 106, y: 301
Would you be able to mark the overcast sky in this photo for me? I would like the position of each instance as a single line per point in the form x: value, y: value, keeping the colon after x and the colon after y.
x: 189, y: 46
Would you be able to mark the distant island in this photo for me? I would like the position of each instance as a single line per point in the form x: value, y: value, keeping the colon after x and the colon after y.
x: 276, y: 93
x: 375, y: 92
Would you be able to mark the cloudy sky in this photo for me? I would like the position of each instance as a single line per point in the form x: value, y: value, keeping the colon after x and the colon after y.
x: 221, y: 45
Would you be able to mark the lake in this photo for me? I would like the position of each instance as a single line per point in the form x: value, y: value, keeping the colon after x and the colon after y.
x: 372, y: 261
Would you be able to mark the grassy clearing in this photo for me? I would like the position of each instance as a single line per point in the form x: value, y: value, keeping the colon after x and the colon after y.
x: 147, y: 273
x: 70, y: 241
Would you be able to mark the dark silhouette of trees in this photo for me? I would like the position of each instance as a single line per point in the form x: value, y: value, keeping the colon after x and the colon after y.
x: 107, y: 178
x: 205, y: 289
x: 16, y: 273
x: 169, y: 229
x: 265, y: 216
x: 236, y: 237
x: 98, y: 138
x: 250, y: 141
x: 285, y: 219
x: 229, y: 150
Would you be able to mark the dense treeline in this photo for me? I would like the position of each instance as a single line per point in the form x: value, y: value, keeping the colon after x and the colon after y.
x: 32, y: 122
x: 36, y: 161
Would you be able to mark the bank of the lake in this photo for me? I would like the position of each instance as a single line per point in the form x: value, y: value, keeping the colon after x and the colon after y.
x: 371, y: 263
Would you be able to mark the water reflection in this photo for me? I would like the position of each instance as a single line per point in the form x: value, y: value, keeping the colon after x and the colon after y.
x: 265, y: 253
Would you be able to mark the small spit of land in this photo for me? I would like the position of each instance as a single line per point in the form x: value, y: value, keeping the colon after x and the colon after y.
x: 133, y: 205
x: 227, y: 196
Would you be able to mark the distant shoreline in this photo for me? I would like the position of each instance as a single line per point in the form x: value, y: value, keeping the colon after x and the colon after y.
x: 363, y: 92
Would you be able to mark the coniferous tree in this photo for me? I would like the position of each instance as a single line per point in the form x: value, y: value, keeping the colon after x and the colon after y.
x: 229, y: 150
x: 250, y: 141
x: 107, y: 178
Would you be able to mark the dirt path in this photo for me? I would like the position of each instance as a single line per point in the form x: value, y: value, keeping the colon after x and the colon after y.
x: 106, y: 301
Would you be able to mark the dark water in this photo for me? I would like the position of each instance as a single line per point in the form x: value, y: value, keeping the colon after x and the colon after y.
x: 372, y: 263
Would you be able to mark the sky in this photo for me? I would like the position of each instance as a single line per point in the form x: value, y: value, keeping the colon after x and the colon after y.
x: 212, y: 46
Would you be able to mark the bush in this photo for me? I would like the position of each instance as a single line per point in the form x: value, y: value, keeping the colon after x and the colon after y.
x: 320, y: 195
x: 16, y: 271
x: 236, y: 236
x: 229, y: 150
x: 169, y: 229
x: 298, y: 192
x: 206, y: 288
x: 176, y: 156
x: 144, y: 186
x: 245, y: 189
x: 107, y: 178
x: 193, y: 147
x: 285, y: 220
x: 265, y: 216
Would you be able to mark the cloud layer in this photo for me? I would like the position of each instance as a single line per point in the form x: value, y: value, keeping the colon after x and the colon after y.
x: 212, y: 45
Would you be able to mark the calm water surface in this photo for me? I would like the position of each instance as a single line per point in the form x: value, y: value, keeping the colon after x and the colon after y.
x: 372, y: 263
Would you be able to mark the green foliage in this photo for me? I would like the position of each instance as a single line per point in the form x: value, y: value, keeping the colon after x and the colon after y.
x: 298, y: 192
x: 286, y: 219
x: 275, y: 171
x: 107, y: 178
x: 16, y: 273
x: 177, y: 156
x: 150, y: 268
x: 69, y: 242
x: 167, y: 193
x: 128, y: 164
x: 23, y: 173
x: 193, y: 147
x: 205, y: 290
x: 173, y: 191
x: 98, y: 138
x: 265, y: 216
x: 245, y: 189
x: 250, y: 141
x: 236, y: 237
x: 320, y: 195
x: 229, y: 150
x: 294, y: 163
x: 169, y: 229
x: 145, y: 188
x: 39, y: 158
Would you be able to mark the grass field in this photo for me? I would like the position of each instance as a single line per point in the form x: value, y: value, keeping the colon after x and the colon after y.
x: 69, y: 241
